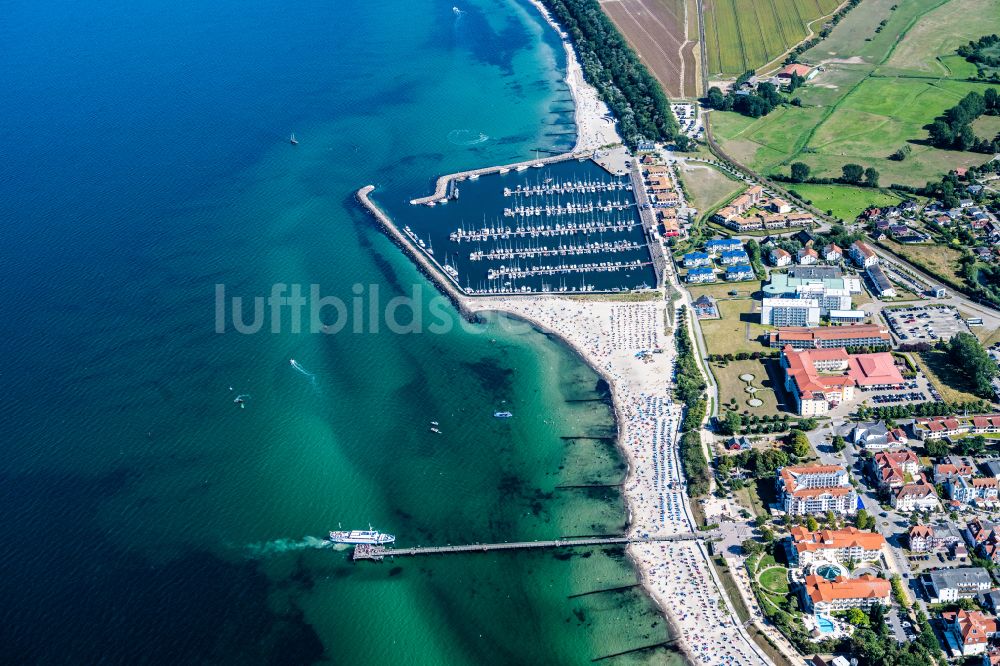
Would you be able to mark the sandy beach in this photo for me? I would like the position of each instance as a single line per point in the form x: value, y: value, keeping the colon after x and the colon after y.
x: 677, y: 575
x: 595, y: 126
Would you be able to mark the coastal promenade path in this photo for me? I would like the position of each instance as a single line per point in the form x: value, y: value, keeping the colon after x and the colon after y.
x: 441, y: 189
x: 369, y: 552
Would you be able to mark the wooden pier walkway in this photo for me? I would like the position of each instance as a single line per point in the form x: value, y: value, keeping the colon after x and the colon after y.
x: 443, y: 188
x: 372, y: 552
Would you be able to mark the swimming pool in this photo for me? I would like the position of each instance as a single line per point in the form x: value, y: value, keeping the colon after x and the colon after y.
x: 828, y: 571
x: 825, y: 624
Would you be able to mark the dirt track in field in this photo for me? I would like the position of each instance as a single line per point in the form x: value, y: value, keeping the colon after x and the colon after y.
x: 655, y: 29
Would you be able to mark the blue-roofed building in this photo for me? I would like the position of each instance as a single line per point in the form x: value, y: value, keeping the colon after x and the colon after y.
x: 700, y: 274
x: 730, y: 257
x: 722, y: 244
x: 740, y: 272
x: 694, y: 259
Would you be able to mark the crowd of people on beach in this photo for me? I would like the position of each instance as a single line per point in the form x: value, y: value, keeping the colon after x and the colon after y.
x: 633, y: 328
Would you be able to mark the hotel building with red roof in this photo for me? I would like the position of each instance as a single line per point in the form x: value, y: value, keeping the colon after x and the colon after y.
x: 821, y: 379
x: 846, y: 545
x: 815, y: 489
x: 825, y: 596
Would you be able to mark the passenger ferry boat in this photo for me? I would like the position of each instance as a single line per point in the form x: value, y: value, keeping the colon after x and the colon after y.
x: 368, y: 536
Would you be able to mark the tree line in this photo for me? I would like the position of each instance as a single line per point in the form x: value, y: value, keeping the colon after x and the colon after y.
x: 969, y: 358
x: 850, y: 174
x: 984, y: 53
x: 954, y: 130
x: 610, y: 65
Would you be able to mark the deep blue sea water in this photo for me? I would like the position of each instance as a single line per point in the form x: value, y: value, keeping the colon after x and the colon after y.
x: 147, y: 517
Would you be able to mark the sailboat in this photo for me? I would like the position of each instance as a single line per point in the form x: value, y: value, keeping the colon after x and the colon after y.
x: 292, y: 140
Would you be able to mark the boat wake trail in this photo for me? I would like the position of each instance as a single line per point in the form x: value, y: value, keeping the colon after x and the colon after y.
x: 295, y: 364
x: 279, y: 546
x: 464, y: 137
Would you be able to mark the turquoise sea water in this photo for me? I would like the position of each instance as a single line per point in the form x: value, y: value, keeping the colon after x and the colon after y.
x: 149, y: 519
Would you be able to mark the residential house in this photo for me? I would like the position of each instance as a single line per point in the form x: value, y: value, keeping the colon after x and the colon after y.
x: 982, y: 425
x: 717, y: 245
x: 780, y: 206
x: 892, y: 470
x: 731, y: 257
x: 832, y: 253
x: 916, y: 496
x: 969, y: 631
x: 780, y: 257
x: 695, y: 259
x: 807, y: 256
x: 938, y: 427
x: 925, y: 538
x: 862, y: 254
x: 739, y: 272
x: 700, y: 275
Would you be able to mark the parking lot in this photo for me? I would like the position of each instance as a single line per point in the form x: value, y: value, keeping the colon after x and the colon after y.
x: 925, y: 324
x: 915, y: 390
x: 688, y: 119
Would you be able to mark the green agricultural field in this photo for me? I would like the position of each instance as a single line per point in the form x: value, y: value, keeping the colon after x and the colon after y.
x: 987, y: 126
x: 747, y: 34
x: 708, y: 186
x: 845, y: 202
x: 876, y: 93
x: 940, y: 32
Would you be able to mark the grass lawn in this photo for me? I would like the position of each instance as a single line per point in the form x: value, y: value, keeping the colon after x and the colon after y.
x: 747, y: 496
x: 987, y: 126
x: 709, y: 187
x: 737, y: 330
x: 731, y: 386
x: 939, y: 260
x: 723, y: 289
x: 846, y: 202
x: 952, y: 385
x: 775, y: 580
x: 942, y: 31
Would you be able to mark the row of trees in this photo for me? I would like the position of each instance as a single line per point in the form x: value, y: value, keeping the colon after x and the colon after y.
x: 968, y: 357
x: 623, y: 82
x: 911, y: 410
x: 954, y: 131
x: 694, y: 463
x: 850, y: 174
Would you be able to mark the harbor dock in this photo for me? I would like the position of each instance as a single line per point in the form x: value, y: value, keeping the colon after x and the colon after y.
x: 442, y: 189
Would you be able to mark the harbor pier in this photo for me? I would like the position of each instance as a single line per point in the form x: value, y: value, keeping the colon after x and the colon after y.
x: 377, y: 553
x: 442, y: 189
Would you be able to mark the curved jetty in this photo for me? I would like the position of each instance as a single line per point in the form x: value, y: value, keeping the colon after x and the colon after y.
x: 441, y: 190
